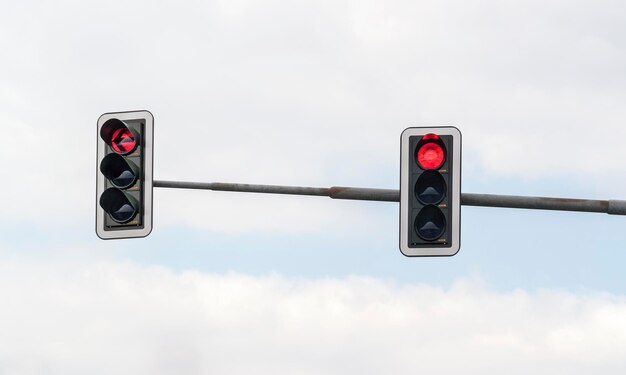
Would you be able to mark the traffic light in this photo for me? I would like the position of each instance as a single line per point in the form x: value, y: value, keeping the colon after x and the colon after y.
x: 124, y: 175
x: 430, y: 191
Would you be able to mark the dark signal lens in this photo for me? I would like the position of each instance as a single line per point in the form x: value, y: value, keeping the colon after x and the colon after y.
x: 121, y: 172
x: 430, y: 223
x: 430, y: 187
x: 121, y: 207
x: 430, y: 155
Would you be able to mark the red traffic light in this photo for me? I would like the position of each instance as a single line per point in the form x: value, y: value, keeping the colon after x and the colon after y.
x: 122, y: 141
x: 124, y: 174
x: 120, y: 137
x: 430, y: 152
x: 430, y: 191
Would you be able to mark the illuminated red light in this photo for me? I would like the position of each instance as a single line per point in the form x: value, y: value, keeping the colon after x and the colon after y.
x: 123, y: 141
x: 431, y: 155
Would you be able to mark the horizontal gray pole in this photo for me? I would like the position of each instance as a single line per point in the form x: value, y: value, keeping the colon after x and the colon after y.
x: 612, y: 207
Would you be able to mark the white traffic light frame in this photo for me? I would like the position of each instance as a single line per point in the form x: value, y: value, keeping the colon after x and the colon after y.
x: 147, y: 141
x: 406, y: 158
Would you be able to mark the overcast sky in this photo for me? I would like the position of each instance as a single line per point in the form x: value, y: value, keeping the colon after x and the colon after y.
x: 312, y: 93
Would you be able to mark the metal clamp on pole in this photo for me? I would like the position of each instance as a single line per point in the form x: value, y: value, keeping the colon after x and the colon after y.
x: 616, y: 207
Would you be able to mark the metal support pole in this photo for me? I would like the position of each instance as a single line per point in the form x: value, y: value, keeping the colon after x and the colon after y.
x: 612, y: 207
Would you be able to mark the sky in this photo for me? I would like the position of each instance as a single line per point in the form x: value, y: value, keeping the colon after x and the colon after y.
x: 312, y: 93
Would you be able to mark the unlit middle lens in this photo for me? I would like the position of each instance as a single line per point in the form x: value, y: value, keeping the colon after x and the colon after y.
x: 121, y: 172
x: 430, y: 187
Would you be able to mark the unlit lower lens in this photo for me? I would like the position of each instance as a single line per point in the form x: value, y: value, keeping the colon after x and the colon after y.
x: 430, y: 223
x: 120, y: 206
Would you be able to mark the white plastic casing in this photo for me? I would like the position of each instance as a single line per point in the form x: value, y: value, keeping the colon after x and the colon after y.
x: 406, y: 158
x: 148, y: 150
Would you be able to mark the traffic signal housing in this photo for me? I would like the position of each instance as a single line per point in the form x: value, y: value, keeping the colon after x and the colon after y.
x: 430, y: 191
x: 124, y: 175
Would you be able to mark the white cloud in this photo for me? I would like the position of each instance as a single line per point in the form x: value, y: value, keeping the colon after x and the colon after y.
x: 108, y: 318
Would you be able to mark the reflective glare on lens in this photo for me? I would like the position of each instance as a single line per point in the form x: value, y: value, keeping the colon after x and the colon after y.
x: 430, y: 187
x: 430, y: 136
x: 430, y: 223
x: 123, y: 212
x: 125, y: 178
x: 123, y: 141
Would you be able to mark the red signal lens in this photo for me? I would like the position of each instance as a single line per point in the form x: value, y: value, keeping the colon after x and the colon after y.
x: 431, y: 155
x: 123, y: 141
